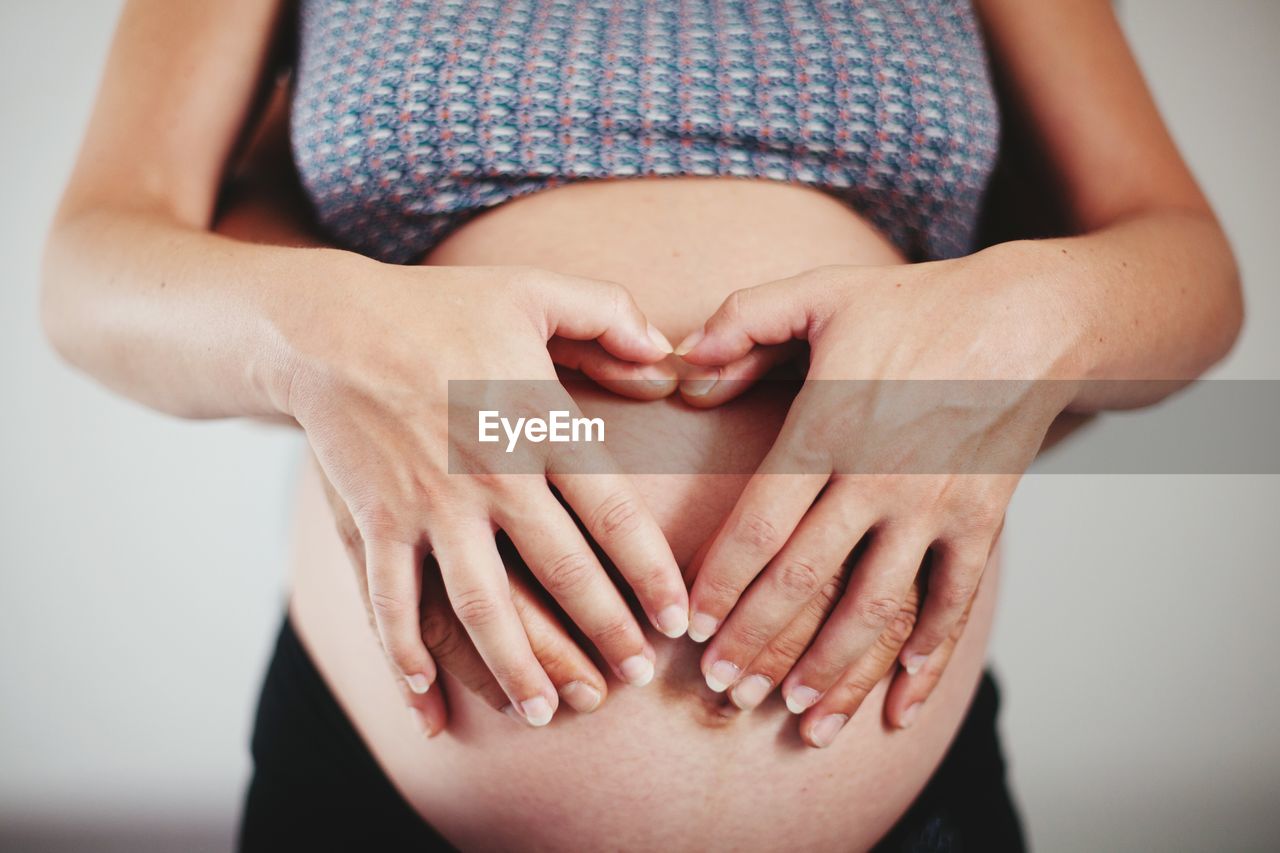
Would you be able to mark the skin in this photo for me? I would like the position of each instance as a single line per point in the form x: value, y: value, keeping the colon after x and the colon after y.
x: 1148, y: 290
x: 202, y: 326
x: 266, y: 205
x: 139, y: 293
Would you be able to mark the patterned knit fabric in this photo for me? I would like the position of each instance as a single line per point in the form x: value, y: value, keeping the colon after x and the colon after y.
x: 409, y: 116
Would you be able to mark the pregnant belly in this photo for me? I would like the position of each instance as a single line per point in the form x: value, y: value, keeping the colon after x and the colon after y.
x: 669, y: 765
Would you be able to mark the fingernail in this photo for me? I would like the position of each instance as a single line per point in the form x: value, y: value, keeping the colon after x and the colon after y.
x: 656, y: 377
x: 582, y: 697
x: 824, y: 733
x: 636, y: 670
x: 909, y: 715
x: 418, y: 683
x: 912, y: 662
x: 800, y: 699
x: 659, y: 339
x: 699, y: 387
x: 420, y: 721
x: 722, y: 674
x: 537, y: 711
x: 701, y: 627
x: 750, y: 691
x: 690, y: 342
x: 673, y: 620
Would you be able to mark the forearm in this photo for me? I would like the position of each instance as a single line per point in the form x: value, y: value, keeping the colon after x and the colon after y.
x: 1153, y: 297
x: 177, y: 318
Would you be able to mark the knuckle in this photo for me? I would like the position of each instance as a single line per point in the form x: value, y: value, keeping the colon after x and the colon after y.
x: 441, y: 636
x: 616, y: 516
x: 718, y: 587
x: 376, y: 521
x: 619, y: 298
x: 568, y: 574
x: 387, y: 606
x: 955, y: 596
x: 901, y: 626
x: 349, y: 533
x: 758, y: 532
x: 853, y: 689
x: 984, y: 515
x: 828, y: 595
x: 613, y: 633
x: 653, y: 580
x: 799, y: 577
x: 475, y: 609
x: 545, y: 648
x: 748, y: 635
x: 510, y: 673
x: 732, y: 307
x: 786, y: 649
x: 876, y: 611
x: 503, y: 487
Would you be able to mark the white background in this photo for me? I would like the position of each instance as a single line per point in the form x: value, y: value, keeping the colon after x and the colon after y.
x: 141, y: 557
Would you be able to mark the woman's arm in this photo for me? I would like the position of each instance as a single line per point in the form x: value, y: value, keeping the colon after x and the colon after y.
x: 140, y: 293
x: 136, y: 290
x: 1147, y: 290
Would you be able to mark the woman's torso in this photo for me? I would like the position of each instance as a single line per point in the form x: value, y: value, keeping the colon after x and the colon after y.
x: 667, y: 765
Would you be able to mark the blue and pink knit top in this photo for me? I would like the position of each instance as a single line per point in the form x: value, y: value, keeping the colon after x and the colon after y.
x: 409, y: 116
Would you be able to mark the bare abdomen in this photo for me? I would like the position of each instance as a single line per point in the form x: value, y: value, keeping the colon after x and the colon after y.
x: 664, y: 766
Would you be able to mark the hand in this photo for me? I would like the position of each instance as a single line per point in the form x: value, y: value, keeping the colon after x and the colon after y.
x: 854, y: 685
x: 704, y: 387
x: 907, y: 469
x: 574, y: 675
x: 368, y: 382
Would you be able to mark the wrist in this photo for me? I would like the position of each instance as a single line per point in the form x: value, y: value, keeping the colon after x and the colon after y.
x: 310, y: 305
x: 1044, y: 306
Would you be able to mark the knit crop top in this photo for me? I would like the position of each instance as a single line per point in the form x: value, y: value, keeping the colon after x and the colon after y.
x: 409, y: 116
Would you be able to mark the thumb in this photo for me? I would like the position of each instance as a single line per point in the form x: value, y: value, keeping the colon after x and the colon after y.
x: 583, y: 309
x: 767, y: 314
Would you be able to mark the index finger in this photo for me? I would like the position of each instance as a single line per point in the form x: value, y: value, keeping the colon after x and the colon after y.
x: 761, y: 522
x: 618, y: 520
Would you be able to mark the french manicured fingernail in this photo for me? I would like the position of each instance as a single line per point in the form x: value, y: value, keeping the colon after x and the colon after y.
x: 800, y: 699
x: 636, y: 670
x: 537, y: 711
x: 690, y: 342
x: 701, y: 627
x: 909, y: 715
x: 418, y: 683
x: 750, y: 691
x: 912, y: 662
x: 699, y: 387
x: 673, y: 620
x: 581, y: 697
x: 659, y: 339
x: 420, y: 721
x: 722, y: 674
x: 824, y: 733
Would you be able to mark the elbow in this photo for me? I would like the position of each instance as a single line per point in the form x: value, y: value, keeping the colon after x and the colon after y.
x: 1228, y: 320
x: 59, y: 319
x: 71, y: 316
